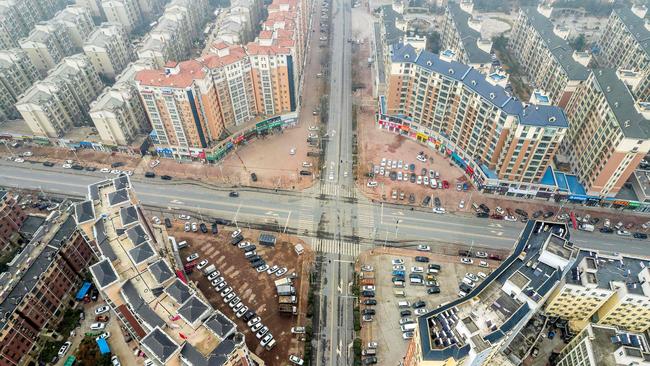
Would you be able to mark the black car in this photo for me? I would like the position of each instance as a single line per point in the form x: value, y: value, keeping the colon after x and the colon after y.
x: 405, y: 312
x: 370, y: 302
x: 433, y: 290
x: 397, y: 278
x: 233, y: 194
x: 412, y: 178
x: 254, y: 258
x: 484, y: 207
x: 90, y: 168
x: 204, y: 228
x: 521, y: 212
x: 259, y: 263
x: 150, y: 174
x: 165, y: 177
x: 482, y: 214
x: 422, y: 259
x: 254, y: 177
x: 548, y: 214
x: 47, y: 163
x: 368, y: 311
x: 594, y: 221
x: 434, y: 266
x: 419, y: 304
x: 606, y: 230
x: 78, y: 167
x: 465, y: 287
x: 369, y: 360
x: 168, y: 223
x: 426, y: 200
x: 236, y: 240
x: 249, y: 248
x: 215, y: 229
x: 368, y: 293
x: 640, y: 235
x: 222, y: 221
x: 117, y: 164
x: 248, y: 315
x: 305, y: 172
x: 437, y: 201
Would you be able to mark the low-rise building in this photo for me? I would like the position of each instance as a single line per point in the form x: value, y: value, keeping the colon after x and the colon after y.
x: 11, y: 219
x: 17, y: 74
x: 108, y: 49
x: 461, y: 33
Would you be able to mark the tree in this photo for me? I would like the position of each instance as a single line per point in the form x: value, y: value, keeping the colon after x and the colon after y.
x: 579, y: 43
x: 88, y: 354
x: 433, y: 42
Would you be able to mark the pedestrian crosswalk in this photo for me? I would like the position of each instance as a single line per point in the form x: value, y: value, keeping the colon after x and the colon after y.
x: 365, y: 224
x: 305, y: 220
x: 338, y: 246
x: 332, y: 189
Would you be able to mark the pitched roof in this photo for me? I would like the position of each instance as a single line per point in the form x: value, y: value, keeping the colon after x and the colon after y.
x: 187, y: 72
x: 128, y: 215
x: 160, y: 345
x: 468, y: 36
x: 193, y: 310
x: 161, y: 271
x: 104, y: 273
x: 141, y: 253
x: 84, y: 211
x: 178, y: 291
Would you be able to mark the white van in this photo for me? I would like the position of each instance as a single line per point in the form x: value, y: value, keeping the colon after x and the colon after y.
x: 399, y: 293
x: 408, y: 327
x: 468, y: 282
x: 182, y: 244
x: 403, y: 304
x: 270, y: 345
x: 398, y: 284
x: 415, y: 281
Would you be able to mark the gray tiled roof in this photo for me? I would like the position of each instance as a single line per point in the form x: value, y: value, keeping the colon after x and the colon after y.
x: 102, y: 240
x: 548, y: 116
x: 469, y: 37
x: 621, y: 101
x: 636, y: 26
x: 193, y: 310
x: 142, y: 252
x: 160, y: 345
x: 217, y: 357
x: 137, y: 235
x: 178, y: 291
x: 84, y: 211
x: 140, y: 307
x: 117, y: 197
x: 220, y: 325
x: 160, y: 271
x: 121, y: 182
x: 128, y: 215
x: 390, y: 16
x: 104, y: 273
x: 93, y: 189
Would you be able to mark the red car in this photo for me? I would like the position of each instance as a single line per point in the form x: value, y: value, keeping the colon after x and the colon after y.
x: 445, y: 184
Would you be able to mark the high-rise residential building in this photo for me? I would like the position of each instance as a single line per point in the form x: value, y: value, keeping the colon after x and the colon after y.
x: 125, y: 12
x: 598, y: 345
x: 54, y: 105
x: 118, y: 113
x: 609, y: 133
x: 109, y: 49
x: 41, y: 286
x: 474, y: 329
x: 182, y: 105
x: 17, y: 74
x: 493, y: 133
x: 12, y: 217
x: 461, y: 33
x: 230, y: 68
x: 64, y: 35
x: 597, y: 290
x: 18, y: 17
x: 544, y: 53
x: 94, y: 6
x: 170, y: 320
x: 625, y: 44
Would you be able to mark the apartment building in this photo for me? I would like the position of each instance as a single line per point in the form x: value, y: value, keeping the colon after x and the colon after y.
x: 231, y: 71
x: 41, y: 286
x: 474, y: 329
x: 54, y: 105
x: 605, y: 346
x: 46, y: 45
x: 171, y: 321
x: 461, y: 33
x: 11, y: 219
x: 125, y: 12
x: 484, y: 125
x: 609, y: 133
x: 598, y: 290
x: 545, y: 55
x: 108, y: 49
x: 17, y: 74
x: 18, y: 17
x: 78, y: 21
x: 273, y: 76
x: 118, y: 113
x: 94, y: 6
x: 181, y: 103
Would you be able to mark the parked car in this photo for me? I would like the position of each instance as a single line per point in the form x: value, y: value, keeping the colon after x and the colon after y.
x: 192, y: 257
x: 422, y: 259
x: 64, y: 348
x: 296, y: 360
x: 102, y: 309
x: 97, y: 326
x: 640, y: 235
x: 422, y: 248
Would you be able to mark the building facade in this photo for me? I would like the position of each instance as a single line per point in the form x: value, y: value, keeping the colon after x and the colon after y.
x: 46, y: 45
x: 474, y: 114
x: 11, y: 219
x: 125, y: 12
x: 17, y: 74
x: 18, y: 17
x: 108, y: 49
x: 608, y: 135
x: 461, y: 33
x: 545, y: 55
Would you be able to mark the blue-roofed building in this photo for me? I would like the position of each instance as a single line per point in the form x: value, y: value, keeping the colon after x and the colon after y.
x: 499, y: 141
x: 473, y: 329
x: 461, y: 34
x: 544, y: 53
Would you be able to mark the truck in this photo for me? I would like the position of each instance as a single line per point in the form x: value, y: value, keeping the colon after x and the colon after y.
x: 286, y: 290
x: 287, y: 308
x: 283, y: 282
x: 299, y: 249
x: 287, y: 299
x: 209, y: 269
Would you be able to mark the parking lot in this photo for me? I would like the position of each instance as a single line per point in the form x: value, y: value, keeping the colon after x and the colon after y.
x: 256, y: 290
x: 385, y: 326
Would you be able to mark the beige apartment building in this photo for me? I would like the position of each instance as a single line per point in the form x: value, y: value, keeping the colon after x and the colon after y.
x: 18, y: 17
x: 46, y: 45
x: 118, y: 113
x: 54, y: 105
x: 473, y: 114
x: 94, y: 6
x: 17, y: 74
x: 542, y: 49
x: 108, y: 49
x: 609, y: 133
x: 597, y: 291
x: 78, y: 22
x: 125, y: 12
x: 461, y: 33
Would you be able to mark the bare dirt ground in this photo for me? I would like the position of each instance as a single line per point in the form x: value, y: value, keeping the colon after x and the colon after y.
x: 257, y: 290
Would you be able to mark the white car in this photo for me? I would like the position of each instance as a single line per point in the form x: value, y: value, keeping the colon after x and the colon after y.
x: 273, y: 269
x: 471, y: 276
x: 102, y: 309
x: 229, y: 297
x: 313, y: 128
x: 383, y: 162
x: 97, y: 326
x: 439, y: 210
x: 292, y: 151
x: 262, y: 332
x: 187, y: 226
x: 281, y: 271
x: 213, y: 275
x: 481, y: 255
x: 483, y: 264
x: 225, y: 292
x: 262, y: 268
x: 241, y: 311
x: 482, y: 275
x: 202, y: 264
x: 115, y: 361
x: 267, y: 338
x: 400, y: 164
x: 408, y: 335
x: 184, y: 217
x: 416, y: 269
x: 67, y: 166
x: 195, y: 228
x: 64, y: 348
x: 217, y: 281
x: 20, y: 160
x: 424, y: 248
x: 220, y: 286
x: 461, y: 204
x: 257, y: 326
x: 296, y: 360
x: 425, y: 180
x: 373, y: 345
x: 191, y: 257
x: 237, y: 307
x: 510, y: 218
x: 372, y: 184
x: 27, y: 154
x: 297, y: 330
x: 154, y: 163
x: 421, y: 158
x: 254, y: 321
x: 306, y: 164
x: 466, y: 260
x: 399, y: 267
x: 419, y: 180
x: 104, y: 335
x: 368, y: 288
x: 156, y: 220
x: 105, y: 170
x: 128, y: 172
x: 421, y: 311
x: 236, y: 233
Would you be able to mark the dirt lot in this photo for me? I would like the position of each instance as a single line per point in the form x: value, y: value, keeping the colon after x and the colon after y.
x: 257, y: 290
x: 385, y: 328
